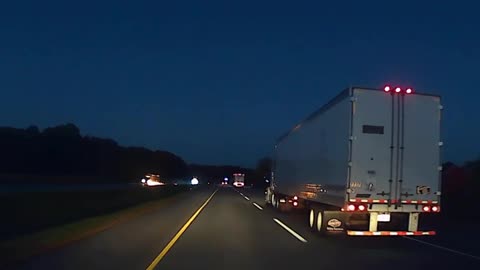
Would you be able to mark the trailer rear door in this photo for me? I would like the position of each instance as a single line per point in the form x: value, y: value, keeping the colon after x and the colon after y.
x: 371, y: 155
x: 395, y: 153
x: 419, y: 166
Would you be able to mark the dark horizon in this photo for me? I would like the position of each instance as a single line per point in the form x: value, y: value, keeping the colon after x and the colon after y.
x: 218, y: 84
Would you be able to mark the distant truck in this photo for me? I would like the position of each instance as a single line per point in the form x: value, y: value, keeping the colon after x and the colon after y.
x: 238, y: 180
x: 366, y: 164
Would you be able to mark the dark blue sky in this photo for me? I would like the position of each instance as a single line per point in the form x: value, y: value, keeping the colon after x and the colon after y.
x: 218, y: 82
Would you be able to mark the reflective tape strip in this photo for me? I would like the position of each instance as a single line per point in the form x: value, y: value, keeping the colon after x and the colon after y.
x: 418, y: 202
x: 354, y: 233
x: 368, y: 201
x: 387, y: 233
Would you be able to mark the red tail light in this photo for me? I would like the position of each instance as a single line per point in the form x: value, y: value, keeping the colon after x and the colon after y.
x: 295, y: 198
x: 409, y: 91
x: 361, y: 208
x: 435, y: 209
x: 295, y: 203
x: 387, y: 88
x: 398, y: 90
x: 426, y: 208
x: 351, y: 207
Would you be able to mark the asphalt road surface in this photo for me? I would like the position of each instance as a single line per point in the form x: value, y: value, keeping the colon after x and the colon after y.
x: 227, y: 228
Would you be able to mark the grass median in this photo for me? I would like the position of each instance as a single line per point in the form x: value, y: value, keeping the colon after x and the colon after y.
x: 70, y: 220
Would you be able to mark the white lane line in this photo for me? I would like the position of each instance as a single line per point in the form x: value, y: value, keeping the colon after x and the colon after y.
x: 258, y: 206
x: 246, y: 198
x: 292, y: 232
x: 443, y: 248
x: 241, y: 193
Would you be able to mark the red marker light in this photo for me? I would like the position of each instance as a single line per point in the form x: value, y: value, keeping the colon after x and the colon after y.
x: 295, y: 203
x: 435, y: 208
x: 351, y: 207
x: 361, y: 207
x: 387, y: 88
x: 398, y: 89
x: 409, y: 90
x: 426, y: 208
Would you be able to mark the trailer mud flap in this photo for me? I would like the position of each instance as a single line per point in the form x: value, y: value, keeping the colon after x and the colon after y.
x: 334, y: 221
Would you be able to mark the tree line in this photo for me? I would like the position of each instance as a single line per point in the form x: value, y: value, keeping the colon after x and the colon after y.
x: 62, y: 150
x: 460, y: 187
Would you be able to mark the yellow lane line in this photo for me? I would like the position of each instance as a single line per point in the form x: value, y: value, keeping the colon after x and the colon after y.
x: 179, y: 233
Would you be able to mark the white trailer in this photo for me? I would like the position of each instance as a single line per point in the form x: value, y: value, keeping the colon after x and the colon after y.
x: 365, y: 164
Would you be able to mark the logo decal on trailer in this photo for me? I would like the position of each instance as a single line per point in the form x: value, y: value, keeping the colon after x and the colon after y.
x: 334, y: 225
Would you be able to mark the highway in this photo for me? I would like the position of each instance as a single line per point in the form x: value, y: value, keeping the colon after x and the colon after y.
x: 226, y: 228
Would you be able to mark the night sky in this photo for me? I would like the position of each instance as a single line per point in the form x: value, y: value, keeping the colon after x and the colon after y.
x: 218, y: 82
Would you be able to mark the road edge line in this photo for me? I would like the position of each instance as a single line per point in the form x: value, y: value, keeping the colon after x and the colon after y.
x: 443, y: 248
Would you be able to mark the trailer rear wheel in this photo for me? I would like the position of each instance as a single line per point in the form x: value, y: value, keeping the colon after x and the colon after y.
x: 319, y: 222
x: 311, y: 219
x: 316, y: 220
x: 275, y: 201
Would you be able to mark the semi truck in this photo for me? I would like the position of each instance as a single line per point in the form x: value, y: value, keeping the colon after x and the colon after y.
x: 238, y: 180
x: 367, y: 163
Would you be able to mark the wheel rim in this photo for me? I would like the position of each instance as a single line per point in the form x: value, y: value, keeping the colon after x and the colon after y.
x: 312, y: 218
x: 319, y: 221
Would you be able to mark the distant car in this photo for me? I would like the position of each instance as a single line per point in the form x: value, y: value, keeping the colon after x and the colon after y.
x: 152, y: 180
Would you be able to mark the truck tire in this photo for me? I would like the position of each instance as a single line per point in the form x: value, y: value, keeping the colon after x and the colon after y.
x: 275, y: 201
x: 319, y: 222
x: 312, y: 219
x: 268, y: 196
x: 316, y: 220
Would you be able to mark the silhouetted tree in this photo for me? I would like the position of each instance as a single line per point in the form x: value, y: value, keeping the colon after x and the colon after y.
x: 61, y: 150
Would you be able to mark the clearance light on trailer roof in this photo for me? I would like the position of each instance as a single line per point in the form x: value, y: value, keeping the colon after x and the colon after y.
x: 426, y: 208
x: 387, y: 88
x: 351, y: 207
x: 435, y: 209
x: 361, y: 207
x: 409, y: 91
x: 398, y: 90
